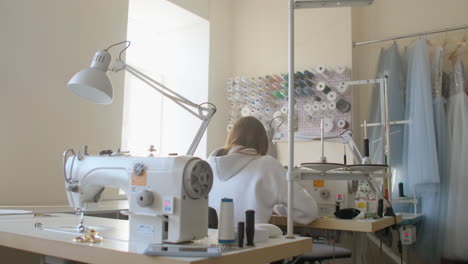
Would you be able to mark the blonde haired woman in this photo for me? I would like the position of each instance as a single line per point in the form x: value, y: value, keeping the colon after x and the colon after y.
x: 254, y: 180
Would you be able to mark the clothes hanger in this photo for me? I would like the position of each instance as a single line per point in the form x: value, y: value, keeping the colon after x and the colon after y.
x: 459, y: 49
x: 270, y: 124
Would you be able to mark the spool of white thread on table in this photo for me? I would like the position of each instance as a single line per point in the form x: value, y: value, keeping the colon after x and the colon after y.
x: 331, y: 96
x: 226, y: 234
x: 332, y: 106
x: 307, y: 107
x: 229, y: 88
x: 322, y: 69
x: 230, y: 97
x: 342, y: 124
x: 237, y: 80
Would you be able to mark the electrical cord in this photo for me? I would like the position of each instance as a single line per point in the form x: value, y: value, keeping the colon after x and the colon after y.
x: 123, y: 50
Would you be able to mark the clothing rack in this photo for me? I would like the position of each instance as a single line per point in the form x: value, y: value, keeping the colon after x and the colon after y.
x: 355, y: 44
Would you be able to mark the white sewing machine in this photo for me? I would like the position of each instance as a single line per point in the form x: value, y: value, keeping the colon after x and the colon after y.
x: 168, y: 196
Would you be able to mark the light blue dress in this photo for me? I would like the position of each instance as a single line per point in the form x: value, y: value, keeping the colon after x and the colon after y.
x: 389, y: 65
x: 420, y: 160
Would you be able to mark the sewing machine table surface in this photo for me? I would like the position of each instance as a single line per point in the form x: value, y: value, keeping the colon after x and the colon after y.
x: 56, y: 239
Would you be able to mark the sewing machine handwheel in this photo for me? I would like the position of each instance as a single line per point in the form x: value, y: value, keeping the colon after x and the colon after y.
x: 198, y: 178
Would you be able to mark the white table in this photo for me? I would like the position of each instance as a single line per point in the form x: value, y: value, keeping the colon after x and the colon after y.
x: 56, y: 239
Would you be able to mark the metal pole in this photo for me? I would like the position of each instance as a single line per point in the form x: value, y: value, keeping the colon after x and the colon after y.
x: 387, y: 140
x: 410, y: 35
x: 289, y: 233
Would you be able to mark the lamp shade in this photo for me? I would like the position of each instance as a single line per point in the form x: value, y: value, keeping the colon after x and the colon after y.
x: 92, y: 83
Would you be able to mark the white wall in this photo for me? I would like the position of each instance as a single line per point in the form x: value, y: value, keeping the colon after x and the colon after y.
x: 43, y: 44
x: 260, y: 47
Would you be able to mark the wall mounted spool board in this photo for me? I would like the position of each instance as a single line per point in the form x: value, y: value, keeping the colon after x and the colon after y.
x: 261, y: 97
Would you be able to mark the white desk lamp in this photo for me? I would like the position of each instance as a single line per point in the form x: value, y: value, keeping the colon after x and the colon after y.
x: 94, y: 85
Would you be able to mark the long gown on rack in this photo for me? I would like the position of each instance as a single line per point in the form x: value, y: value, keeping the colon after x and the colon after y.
x: 440, y: 123
x: 389, y: 65
x: 456, y: 228
x: 420, y: 162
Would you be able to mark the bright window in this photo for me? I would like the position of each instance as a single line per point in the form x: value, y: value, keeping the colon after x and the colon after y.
x: 171, y: 45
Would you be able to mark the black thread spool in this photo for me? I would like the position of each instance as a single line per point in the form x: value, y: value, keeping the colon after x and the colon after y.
x: 308, y: 74
x: 380, y: 208
x: 401, y: 191
x: 240, y: 234
x: 250, y: 227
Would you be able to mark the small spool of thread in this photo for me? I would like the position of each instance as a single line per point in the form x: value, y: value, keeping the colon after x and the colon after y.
x: 401, y: 191
x: 299, y: 91
x: 250, y: 227
x: 331, y: 96
x: 308, y: 83
x: 332, y: 106
x: 229, y: 88
x: 240, y: 234
x: 268, y: 78
x: 380, y: 208
x: 253, y: 80
x: 323, y: 106
x: 321, y: 69
x: 341, y: 68
x: 308, y: 91
x: 260, y: 79
x: 342, y: 88
x: 300, y: 75
x: 316, y: 107
x: 328, y: 125
x: 307, y: 107
x: 284, y: 109
x: 343, y: 124
x: 237, y: 80
x: 322, y: 87
x: 284, y: 76
x: 226, y: 233
x: 277, y: 78
x: 284, y: 84
x: 245, y: 111
x: 230, y: 97
x: 308, y: 74
x: 230, y: 81
x: 343, y: 106
x: 245, y: 80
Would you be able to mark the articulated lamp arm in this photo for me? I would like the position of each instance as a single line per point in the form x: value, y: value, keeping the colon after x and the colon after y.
x: 205, y: 111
